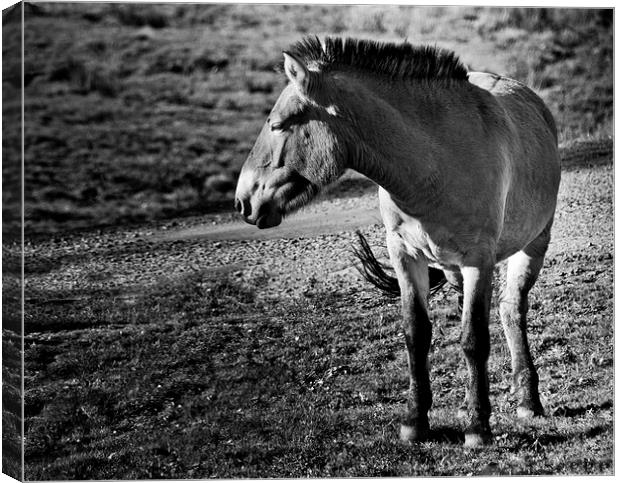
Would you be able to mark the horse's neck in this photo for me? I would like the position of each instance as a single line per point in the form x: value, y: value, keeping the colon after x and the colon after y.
x: 396, y: 147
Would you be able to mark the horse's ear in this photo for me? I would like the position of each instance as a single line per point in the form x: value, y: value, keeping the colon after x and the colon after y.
x: 296, y: 71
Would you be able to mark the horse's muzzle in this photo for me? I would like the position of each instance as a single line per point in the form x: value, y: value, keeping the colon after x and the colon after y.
x: 266, y: 216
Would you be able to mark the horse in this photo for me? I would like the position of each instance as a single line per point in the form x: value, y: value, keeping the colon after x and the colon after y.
x: 468, y: 172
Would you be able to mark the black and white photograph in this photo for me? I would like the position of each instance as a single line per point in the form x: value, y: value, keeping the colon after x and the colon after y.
x: 307, y: 240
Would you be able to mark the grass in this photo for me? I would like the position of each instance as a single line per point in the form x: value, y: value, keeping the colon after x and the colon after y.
x: 206, y: 377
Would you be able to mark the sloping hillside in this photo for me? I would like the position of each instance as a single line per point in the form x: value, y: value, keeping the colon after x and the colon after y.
x: 145, y: 112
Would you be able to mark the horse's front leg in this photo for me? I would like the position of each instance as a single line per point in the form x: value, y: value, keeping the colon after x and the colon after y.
x: 412, y: 274
x: 477, y: 289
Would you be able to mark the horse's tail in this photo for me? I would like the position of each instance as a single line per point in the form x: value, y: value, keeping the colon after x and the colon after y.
x: 376, y: 272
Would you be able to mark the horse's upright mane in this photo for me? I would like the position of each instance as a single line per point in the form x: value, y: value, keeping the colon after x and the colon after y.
x: 398, y: 61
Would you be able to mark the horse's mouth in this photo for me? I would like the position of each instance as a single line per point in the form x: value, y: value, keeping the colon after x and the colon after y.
x: 274, y: 216
x: 288, y: 198
x: 269, y: 220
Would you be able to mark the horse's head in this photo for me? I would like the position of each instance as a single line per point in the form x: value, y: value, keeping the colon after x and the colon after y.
x: 299, y: 150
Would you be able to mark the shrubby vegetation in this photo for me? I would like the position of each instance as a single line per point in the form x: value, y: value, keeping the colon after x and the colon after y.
x: 132, y: 110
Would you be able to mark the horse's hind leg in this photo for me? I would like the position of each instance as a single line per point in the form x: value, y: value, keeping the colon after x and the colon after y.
x: 521, y: 274
x: 455, y: 281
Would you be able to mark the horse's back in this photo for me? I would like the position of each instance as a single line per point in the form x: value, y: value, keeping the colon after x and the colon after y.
x: 530, y: 140
x: 518, y: 99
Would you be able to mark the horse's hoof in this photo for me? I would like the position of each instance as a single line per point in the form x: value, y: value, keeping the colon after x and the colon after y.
x: 411, y: 434
x: 476, y: 440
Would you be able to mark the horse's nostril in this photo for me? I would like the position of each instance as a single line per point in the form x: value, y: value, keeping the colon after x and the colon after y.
x: 244, y: 207
x: 246, y: 210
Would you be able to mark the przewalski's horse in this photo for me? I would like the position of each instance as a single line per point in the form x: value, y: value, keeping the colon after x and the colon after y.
x: 468, y: 170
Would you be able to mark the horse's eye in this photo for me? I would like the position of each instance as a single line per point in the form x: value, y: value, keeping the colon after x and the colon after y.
x: 276, y: 126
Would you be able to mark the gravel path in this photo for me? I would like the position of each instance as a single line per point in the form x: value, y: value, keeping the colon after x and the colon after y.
x: 309, y: 250
x: 327, y: 217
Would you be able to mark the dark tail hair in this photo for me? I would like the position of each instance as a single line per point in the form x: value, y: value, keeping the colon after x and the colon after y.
x: 376, y: 272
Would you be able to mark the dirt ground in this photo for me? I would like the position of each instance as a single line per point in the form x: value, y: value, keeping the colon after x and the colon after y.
x: 221, y: 350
